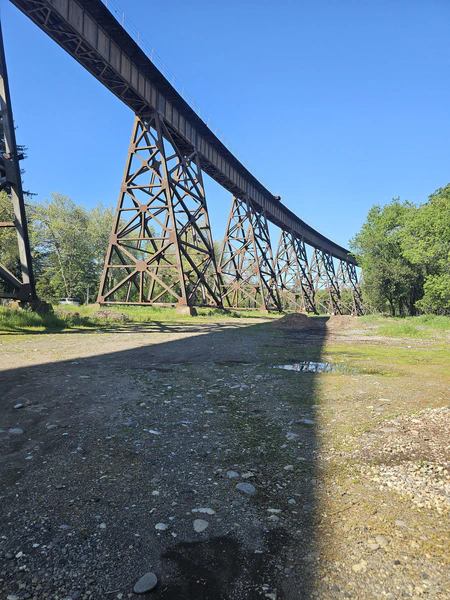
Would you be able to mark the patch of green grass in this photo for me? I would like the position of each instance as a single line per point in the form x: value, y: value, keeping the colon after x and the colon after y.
x: 433, y: 322
x: 22, y: 320
x: 148, y: 314
x: 404, y: 329
x: 64, y: 317
x: 388, y: 355
x: 371, y: 319
x: 421, y: 327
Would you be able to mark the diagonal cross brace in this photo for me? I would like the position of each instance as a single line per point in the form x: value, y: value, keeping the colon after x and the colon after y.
x: 161, y: 249
x: 246, y: 263
x: 292, y: 272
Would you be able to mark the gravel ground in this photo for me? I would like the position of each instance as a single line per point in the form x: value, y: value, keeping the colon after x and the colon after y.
x: 178, y: 449
x: 418, y: 458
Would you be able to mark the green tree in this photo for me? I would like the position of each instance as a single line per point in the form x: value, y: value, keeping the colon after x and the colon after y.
x: 69, y: 245
x: 426, y: 244
x: 390, y: 280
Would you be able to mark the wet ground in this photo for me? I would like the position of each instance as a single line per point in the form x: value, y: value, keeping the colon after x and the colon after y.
x: 128, y: 439
x: 314, y: 366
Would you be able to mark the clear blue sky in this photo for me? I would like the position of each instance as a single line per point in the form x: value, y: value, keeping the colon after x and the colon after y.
x: 338, y: 104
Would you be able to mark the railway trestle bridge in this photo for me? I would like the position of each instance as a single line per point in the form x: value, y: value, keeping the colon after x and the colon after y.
x: 161, y: 249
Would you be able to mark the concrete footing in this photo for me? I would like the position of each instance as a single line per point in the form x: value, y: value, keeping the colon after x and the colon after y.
x: 186, y: 310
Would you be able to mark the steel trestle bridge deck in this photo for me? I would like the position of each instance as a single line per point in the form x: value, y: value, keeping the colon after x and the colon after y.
x: 90, y: 34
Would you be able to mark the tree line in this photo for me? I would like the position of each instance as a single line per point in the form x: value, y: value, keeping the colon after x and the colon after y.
x: 404, y: 252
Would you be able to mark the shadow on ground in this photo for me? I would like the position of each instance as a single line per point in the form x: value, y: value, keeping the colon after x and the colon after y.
x: 115, y: 443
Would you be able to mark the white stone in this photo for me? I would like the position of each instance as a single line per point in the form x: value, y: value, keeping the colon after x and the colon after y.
x: 200, y: 525
x: 206, y: 511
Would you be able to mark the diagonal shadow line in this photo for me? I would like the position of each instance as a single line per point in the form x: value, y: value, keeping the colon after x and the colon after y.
x: 226, y: 564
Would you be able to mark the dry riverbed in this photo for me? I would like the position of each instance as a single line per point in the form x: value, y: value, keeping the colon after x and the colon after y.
x: 235, y: 460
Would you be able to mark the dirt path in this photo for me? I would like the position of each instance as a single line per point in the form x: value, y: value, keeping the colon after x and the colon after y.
x: 347, y: 466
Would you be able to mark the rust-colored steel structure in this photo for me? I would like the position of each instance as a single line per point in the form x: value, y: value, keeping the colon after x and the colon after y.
x: 10, y: 180
x: 326, y: 287
x: 351, y: 297
x: 246, y: 263
x: 293, y: 277
x: 161, y: 249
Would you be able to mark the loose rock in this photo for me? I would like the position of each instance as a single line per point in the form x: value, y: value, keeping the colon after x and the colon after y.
x: 232, y: 474
x: 146, y: 583
x: 246, y: 488
x: 200, y: 525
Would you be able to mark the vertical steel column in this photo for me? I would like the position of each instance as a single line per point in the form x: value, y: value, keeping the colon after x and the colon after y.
x: 325, y: 282
x: 350, y: 293
x: 358, y: 302
x: 345, y: 292
x: 161, y: 250
x: 288, y: 276
x: 292, y: 271
x: 246, y: 262
x: 10, y: 180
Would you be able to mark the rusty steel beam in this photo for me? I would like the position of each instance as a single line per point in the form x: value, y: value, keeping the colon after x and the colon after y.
x: 294, y: 281
x: 355, y: 290
x: 288, y: 275
x: 161, y: 250
x: 246, y: 264
x: 326, y: 288
x: 346, y: 297
x: 318, y: 285
x: 337, y: 290
x: 10, y: 180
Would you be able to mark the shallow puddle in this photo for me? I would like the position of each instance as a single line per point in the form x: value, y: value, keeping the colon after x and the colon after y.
x: 313, y: 366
